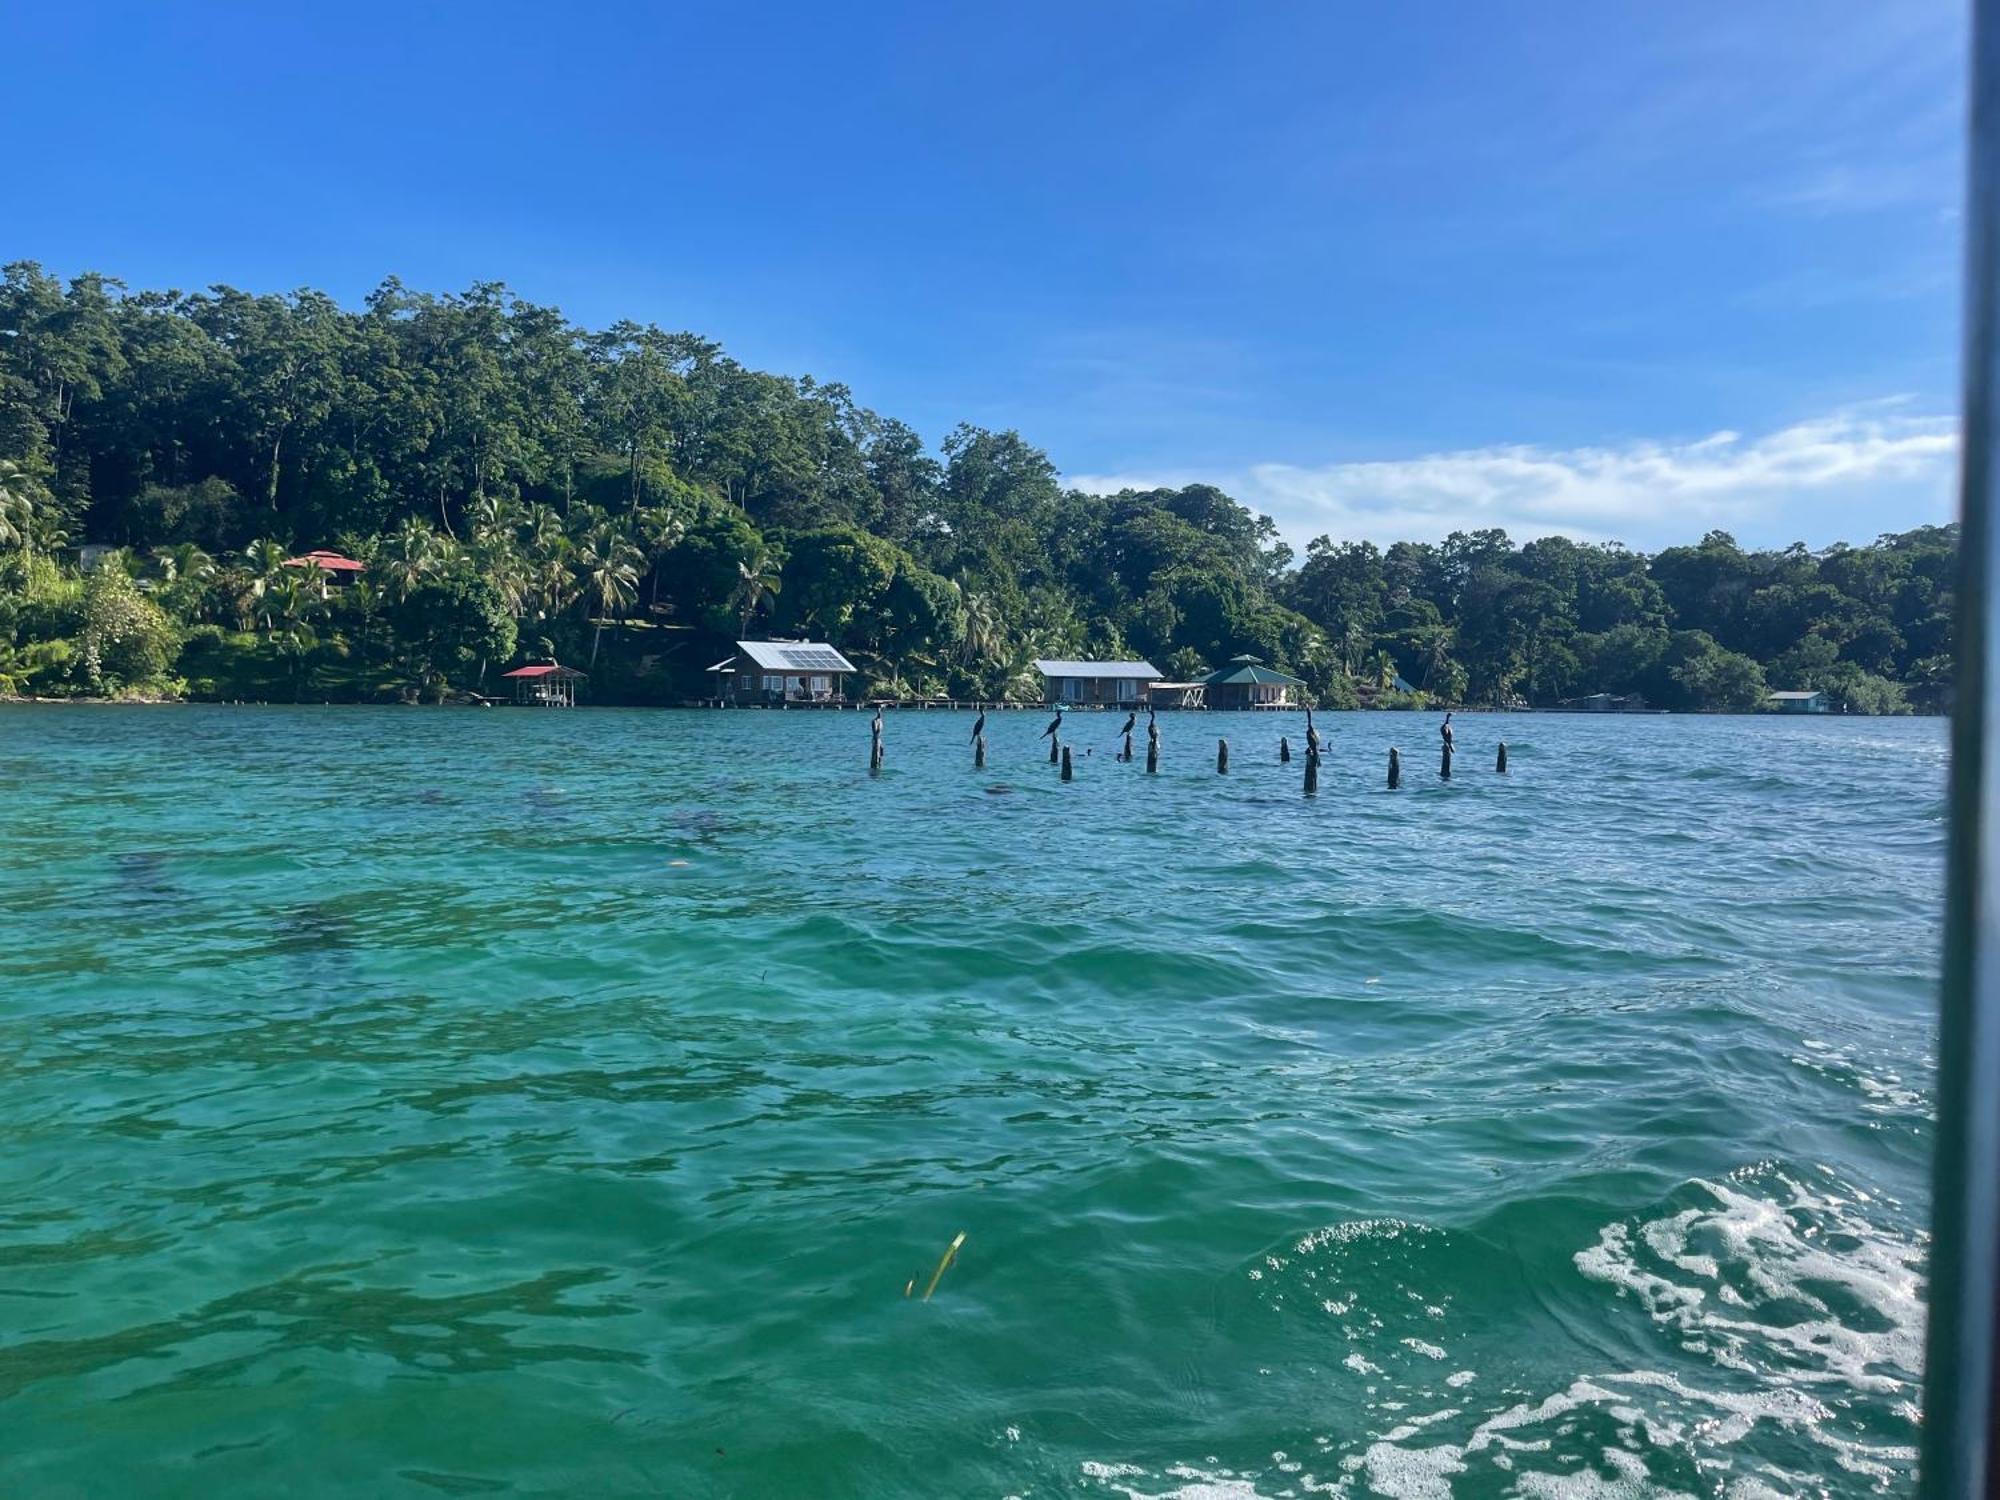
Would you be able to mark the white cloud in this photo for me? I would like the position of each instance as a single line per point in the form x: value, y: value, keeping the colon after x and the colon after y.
x: 1640, y: 492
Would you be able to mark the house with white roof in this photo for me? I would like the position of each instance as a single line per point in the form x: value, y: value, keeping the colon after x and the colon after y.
x: 782, y: 673
x: 1109, y: 684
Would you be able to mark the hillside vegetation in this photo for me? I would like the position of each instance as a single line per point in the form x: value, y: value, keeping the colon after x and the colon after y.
x: 630, y: 500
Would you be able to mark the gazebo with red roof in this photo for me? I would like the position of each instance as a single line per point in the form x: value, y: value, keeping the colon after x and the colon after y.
x: 545, y: 685
x: 331, y: 566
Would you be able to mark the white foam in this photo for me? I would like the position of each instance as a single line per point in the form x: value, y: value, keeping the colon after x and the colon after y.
x: 1800, y: 1303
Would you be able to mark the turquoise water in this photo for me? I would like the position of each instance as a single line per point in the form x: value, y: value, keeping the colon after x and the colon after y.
x: 407, y: 1102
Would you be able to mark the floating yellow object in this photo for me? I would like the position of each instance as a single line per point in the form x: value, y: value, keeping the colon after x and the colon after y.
x: 950, y: 1254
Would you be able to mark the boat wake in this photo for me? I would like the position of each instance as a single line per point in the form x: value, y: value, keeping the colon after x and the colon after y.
x: 1755, y: 1336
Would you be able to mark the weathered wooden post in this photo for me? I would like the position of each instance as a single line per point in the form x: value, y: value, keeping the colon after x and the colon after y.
x: 875, y: 749
x: 1312, y: 771
x: 1500, y: 760
x: 1152, y: 751
x: 1054, y: 754
x: 1284, y: 750
x: 979, y: 752
x: 1444, y: 762
x: 1222, y: 757
x: 1066, y: 772
x: 1395, y: 769
x: 1127, y: 756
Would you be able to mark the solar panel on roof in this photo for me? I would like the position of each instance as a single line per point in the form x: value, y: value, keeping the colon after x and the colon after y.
x: 813, y: 660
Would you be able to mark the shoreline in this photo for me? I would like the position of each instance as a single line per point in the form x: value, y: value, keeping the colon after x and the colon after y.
x: 15, y: 700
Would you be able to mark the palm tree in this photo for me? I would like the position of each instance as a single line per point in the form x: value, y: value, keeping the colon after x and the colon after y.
x: 1437, y: 650
x: 607, y: 567
x: 264, y: 567
x: 757, y: 582
x: 185, y: 571
x: 18, y: 494
x: 183, y: 562
x: 409, y: 556
x: 661, y: 528
x: 984, y: 633
x: 291, y: 604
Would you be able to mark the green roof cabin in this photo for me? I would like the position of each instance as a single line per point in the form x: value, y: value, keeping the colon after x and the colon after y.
x: 1247, y: 683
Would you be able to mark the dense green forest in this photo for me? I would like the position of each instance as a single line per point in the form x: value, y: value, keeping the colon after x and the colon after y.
x: 630, y: 500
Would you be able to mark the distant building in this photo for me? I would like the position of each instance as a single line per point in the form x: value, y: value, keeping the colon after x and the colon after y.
x: 1604, y: 703
x: 545, y: 685
x: 1247, y: 683
x: 90, y: 556
x: 1120, y: 684
x: 1797, y: 703
x: 1177, y: 695
x: 331, y: 567
x: 782, y: 672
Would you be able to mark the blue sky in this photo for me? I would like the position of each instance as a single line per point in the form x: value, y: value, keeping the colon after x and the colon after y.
x: 1615, y: 270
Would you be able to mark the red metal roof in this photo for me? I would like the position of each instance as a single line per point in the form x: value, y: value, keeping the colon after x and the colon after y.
x: 332, y: 562
x: 543, y: 669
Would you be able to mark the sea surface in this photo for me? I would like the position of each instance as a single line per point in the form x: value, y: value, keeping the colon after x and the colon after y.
x: 419, y: 1102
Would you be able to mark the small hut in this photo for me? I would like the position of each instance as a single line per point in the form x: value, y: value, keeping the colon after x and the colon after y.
x: 545, y: 685
x: 331, y: 566
x: 1247, y: 683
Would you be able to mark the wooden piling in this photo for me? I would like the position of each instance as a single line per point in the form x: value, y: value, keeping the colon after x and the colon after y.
x: 1312, y: 772
x: 1284, y: 750
x: 1152, y: 755
x: 1444, y: 762
x: 1067, y: 774
x: 979, y: 752
x: 1222, y: 757
x: 1127, y: 756
x: 1054, y: 753
x: 875, y: 750
x: 1395, y: 769
x: 1500, y: 760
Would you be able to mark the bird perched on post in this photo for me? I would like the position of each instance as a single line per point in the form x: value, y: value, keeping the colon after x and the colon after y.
x: 877, y: 725
x: 979, y: 725
x: 1130, y: 719
x: 1312, y: 734
x: 1054, y: 725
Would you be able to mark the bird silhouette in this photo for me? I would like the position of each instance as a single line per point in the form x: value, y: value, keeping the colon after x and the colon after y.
x: 877, y: 725
x: 1054, y: 725
x: 979, y: 725
x: 1130, y: 719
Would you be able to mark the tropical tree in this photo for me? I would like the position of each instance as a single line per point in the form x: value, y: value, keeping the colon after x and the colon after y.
x: 19, y: 503
x: 758, y: 582
x: 607, y: 572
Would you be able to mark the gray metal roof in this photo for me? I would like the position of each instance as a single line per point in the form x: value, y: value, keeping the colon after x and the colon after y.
x: 1140, y: 669
x: 794, y: 656
x: 1814, y: 694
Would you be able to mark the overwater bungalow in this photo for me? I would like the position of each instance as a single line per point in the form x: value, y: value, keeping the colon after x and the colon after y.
x: 545, y: 685
x: 1604, y: 703
x: 1247, y: 683
x: 1797, y: 703
x: 1105, y: 684
x: 1177, y: 695
x: 782, y: 673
